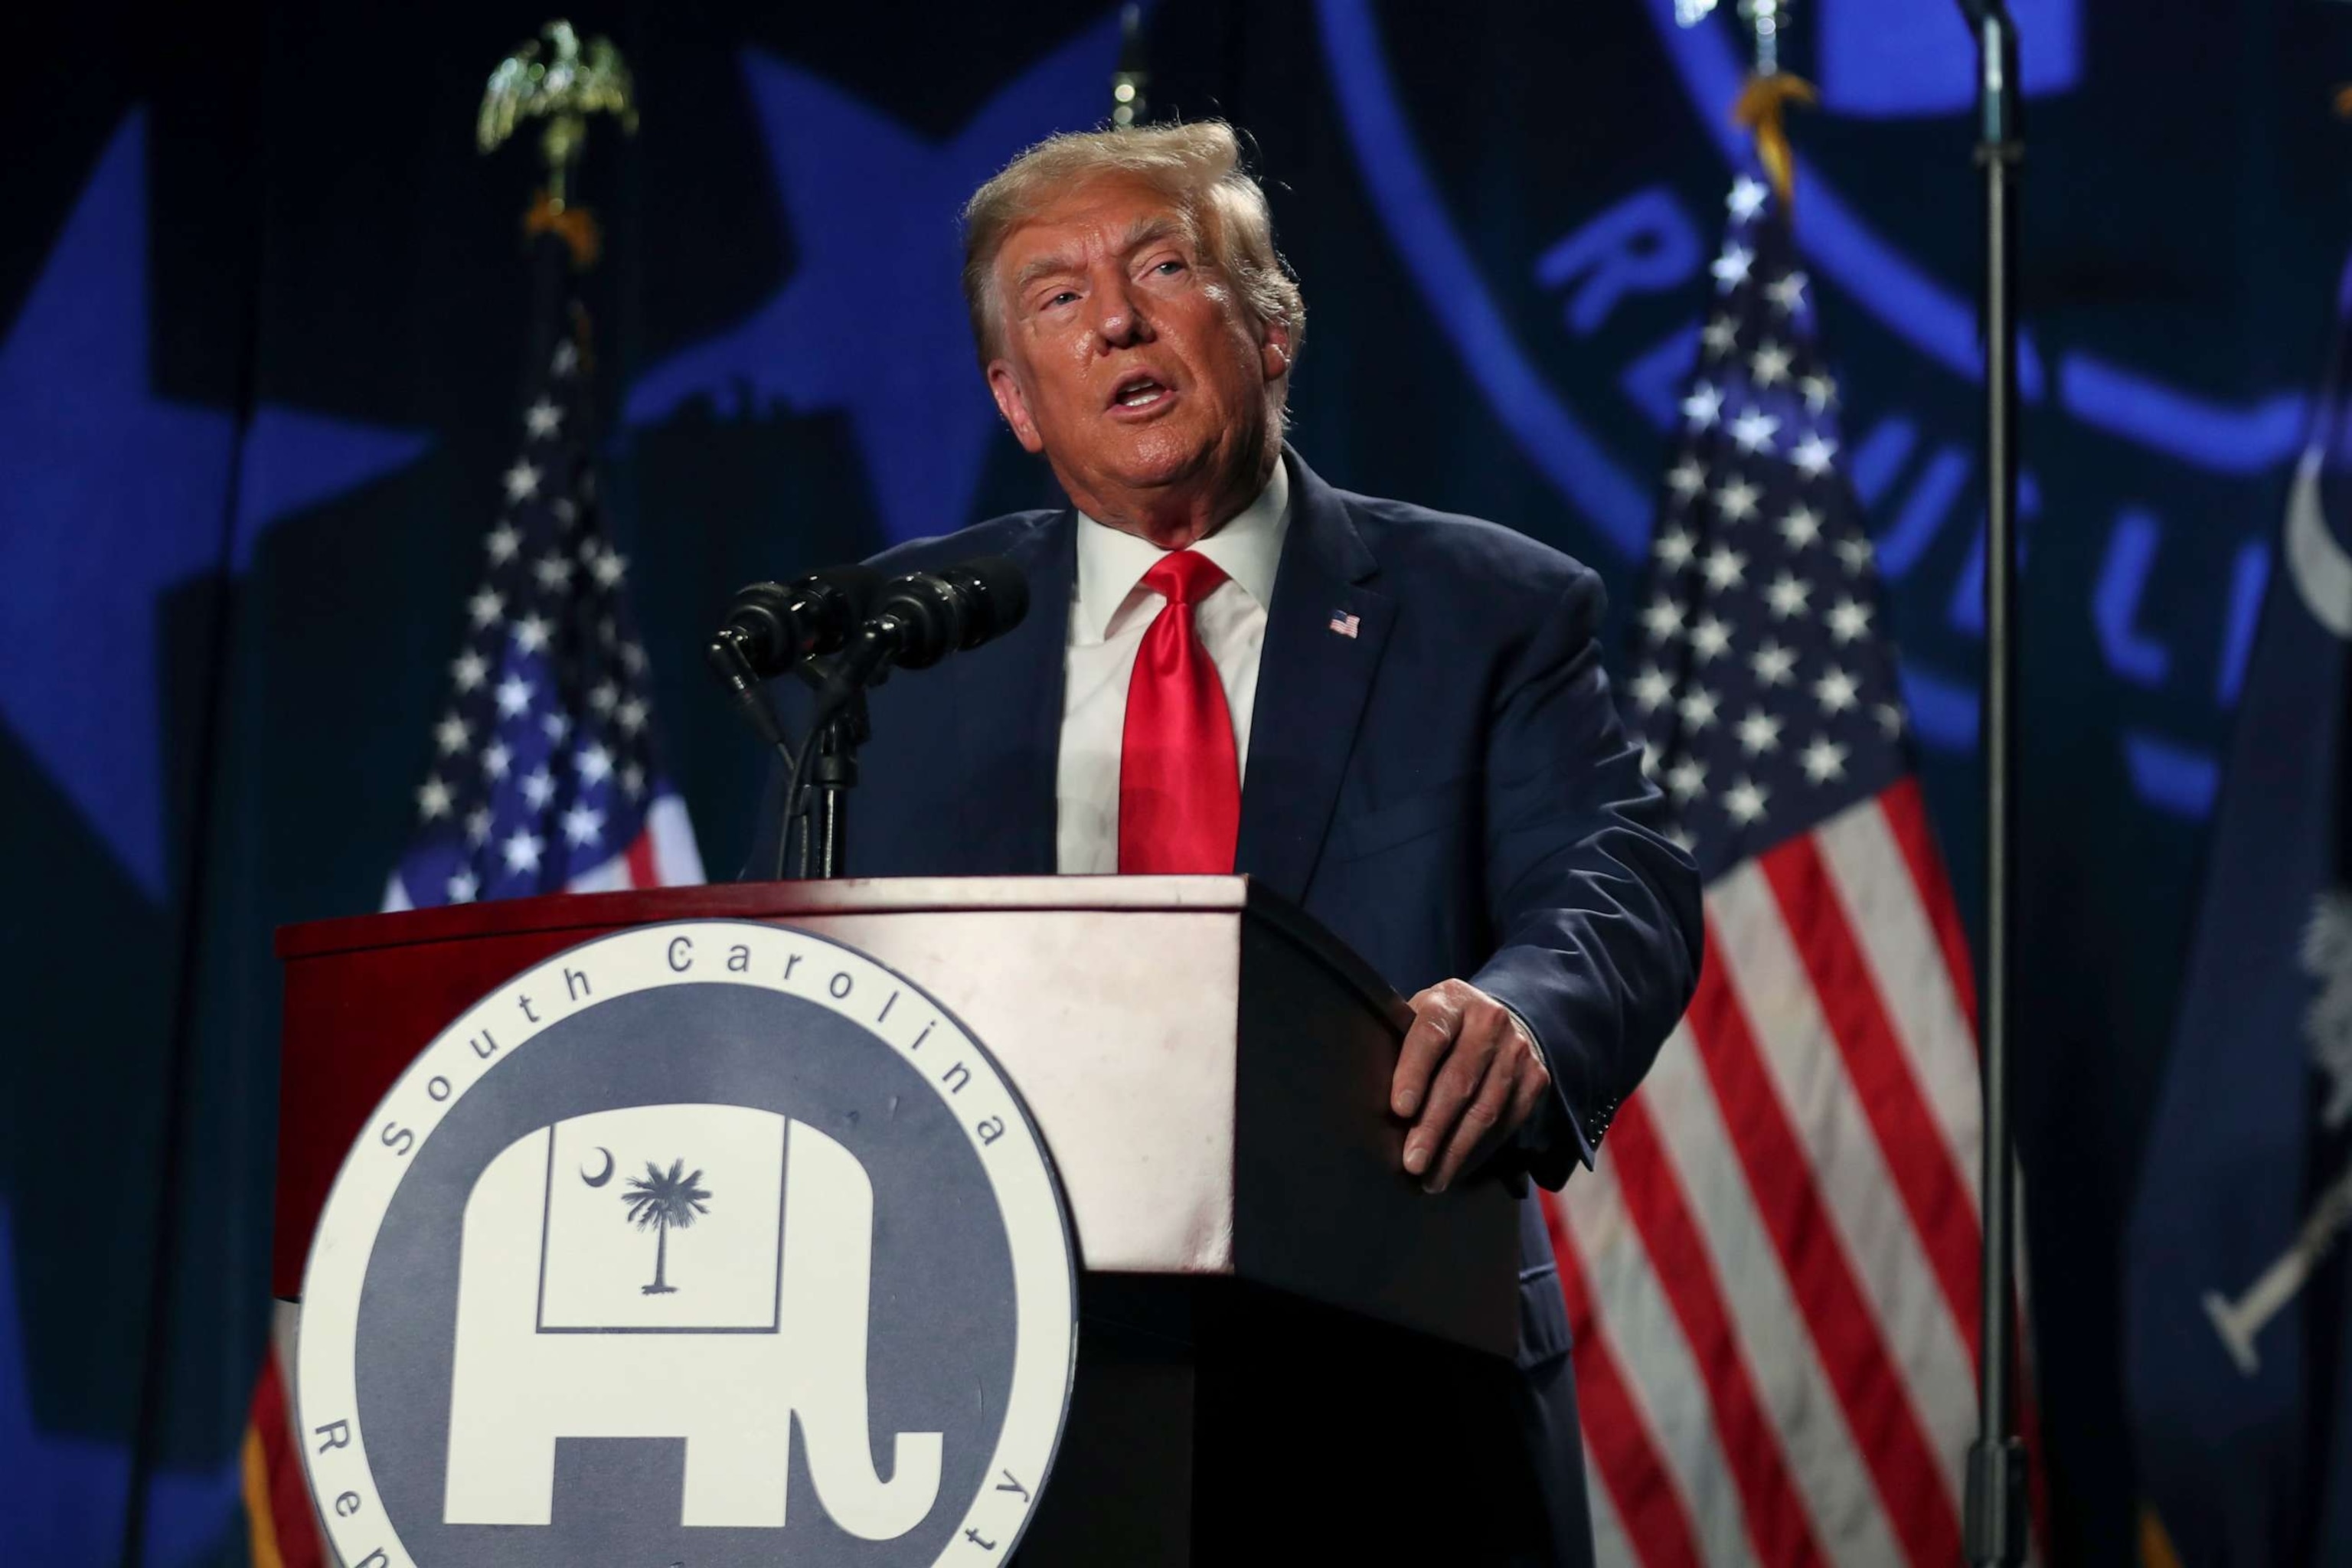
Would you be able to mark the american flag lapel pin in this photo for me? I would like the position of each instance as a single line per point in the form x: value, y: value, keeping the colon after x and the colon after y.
x: 1347, y: 626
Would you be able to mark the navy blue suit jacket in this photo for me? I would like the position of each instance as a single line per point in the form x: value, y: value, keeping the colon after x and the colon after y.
x: 1449, y: 791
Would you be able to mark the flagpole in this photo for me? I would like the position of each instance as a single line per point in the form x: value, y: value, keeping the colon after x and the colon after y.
x: 1995, y: 1522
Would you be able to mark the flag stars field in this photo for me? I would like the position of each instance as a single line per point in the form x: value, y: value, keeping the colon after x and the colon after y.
x: 1664, y: 619
x: 1704, y: 407
x: 1786, y: 595
x: 1725, y: 568
x: 1730, y: 269
x: 1823, y: 760
x: 1754, y: 430
x: 1802, y: 527
x: 545, y: 778
x: 1710, y: 639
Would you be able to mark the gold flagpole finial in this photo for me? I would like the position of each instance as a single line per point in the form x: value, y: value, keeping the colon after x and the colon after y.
x: 556, y: 78
x: 1763, y: 105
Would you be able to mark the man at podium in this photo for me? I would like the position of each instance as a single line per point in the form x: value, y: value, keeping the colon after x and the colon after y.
x: 1396, y: 718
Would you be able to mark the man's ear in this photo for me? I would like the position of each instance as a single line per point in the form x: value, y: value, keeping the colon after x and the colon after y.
x: 1006, y: 390
x: 1274, y: 349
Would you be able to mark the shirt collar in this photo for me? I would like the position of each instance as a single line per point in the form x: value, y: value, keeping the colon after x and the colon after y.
x: 1111, y: 562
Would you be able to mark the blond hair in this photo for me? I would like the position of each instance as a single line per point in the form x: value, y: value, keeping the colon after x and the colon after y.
x: 1198, y: 166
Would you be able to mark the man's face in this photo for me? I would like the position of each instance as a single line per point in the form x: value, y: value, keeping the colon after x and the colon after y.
x: 1125, y: 356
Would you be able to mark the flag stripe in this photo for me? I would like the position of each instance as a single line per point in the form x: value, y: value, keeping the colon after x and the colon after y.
x: 1877, y: 1406
x: 1829, y: 1476
x: 641, y: 873
x: 1611, y: 1546
x: 1848, y: 1172
x: 1887, y: 915
x: 1906, y: 817
x: 1942, y: 1210
x: 1773, y: 1516
x: 281, y: 1531
x: 676, y: 861
x: 1662, y: 1376
x: 1619, y: 1444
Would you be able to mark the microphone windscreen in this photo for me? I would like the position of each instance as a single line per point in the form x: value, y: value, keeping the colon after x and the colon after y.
x: 1006, y: 588
x: 858, y: 584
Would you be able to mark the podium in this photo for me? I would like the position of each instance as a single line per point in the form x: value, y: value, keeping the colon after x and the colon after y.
x: 1269, y: 1305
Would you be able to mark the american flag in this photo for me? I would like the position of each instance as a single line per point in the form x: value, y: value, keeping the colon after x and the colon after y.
x: 543, y: 777
x: 1772, y: 1277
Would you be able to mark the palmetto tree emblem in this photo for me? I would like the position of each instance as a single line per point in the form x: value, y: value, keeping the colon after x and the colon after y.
x: 659, y: 1200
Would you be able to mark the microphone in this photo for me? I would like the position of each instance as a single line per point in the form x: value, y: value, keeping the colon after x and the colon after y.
x: 921, y: 619
x: 772, y: 628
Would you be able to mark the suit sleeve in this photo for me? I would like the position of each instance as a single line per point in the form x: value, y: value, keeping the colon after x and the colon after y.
x: 1596, y: 913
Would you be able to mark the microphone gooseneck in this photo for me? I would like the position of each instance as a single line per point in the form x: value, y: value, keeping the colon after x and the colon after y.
x: 916, y: 620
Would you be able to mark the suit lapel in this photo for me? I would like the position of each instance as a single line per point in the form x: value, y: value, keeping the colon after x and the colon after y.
x: 1313, y: 680
x: 1010, y: 722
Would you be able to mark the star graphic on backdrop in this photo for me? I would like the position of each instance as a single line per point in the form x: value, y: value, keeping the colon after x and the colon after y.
x: 111, y: 495
x: 70, y: 1492
x: 872, y: 322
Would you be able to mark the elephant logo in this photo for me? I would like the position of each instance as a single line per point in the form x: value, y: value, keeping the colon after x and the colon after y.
x: 557, y: 1337
x: 708, y: 1242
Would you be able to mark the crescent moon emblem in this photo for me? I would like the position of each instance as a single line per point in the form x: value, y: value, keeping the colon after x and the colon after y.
x: 600, y: 1180
x: 2321, y: 569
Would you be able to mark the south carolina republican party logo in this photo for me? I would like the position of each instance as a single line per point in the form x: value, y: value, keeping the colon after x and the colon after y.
x: 709, y: 1242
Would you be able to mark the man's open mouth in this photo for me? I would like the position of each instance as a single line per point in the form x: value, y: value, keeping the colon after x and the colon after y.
x: 1138, y: 392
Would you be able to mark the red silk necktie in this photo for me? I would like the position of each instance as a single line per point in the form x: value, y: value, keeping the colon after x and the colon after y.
x: 1179, y: 783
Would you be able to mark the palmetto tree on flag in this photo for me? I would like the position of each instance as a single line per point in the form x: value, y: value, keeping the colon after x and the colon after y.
x: 661, y: 1202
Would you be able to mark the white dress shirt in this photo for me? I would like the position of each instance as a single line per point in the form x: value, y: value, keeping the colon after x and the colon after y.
x: 1109, y: 612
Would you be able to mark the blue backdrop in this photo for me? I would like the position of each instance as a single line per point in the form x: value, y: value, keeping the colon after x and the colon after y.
x: 261, y: 327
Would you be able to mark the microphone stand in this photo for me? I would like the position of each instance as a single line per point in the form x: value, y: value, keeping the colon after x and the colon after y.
x: 1995, y: 1525
x: 832, y: 772
x: 827, y: 770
